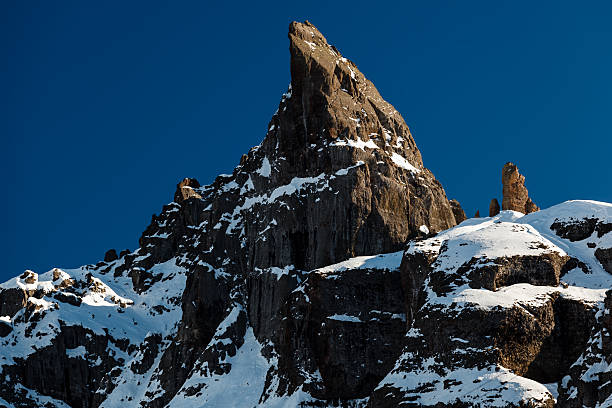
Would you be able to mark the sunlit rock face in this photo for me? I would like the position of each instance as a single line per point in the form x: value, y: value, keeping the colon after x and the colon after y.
x: 516, y: 197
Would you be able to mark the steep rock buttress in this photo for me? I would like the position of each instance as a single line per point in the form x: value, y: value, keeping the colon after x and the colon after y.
x: 337, y: 175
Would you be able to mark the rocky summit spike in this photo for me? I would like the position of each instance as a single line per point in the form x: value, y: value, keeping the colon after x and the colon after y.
x: 329, y: 99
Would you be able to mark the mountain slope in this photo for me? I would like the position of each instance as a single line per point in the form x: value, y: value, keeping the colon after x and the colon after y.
x: 289, y: 282
x: 506, y: 331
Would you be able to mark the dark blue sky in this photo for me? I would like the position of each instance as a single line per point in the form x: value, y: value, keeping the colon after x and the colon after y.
x: 107, y: 105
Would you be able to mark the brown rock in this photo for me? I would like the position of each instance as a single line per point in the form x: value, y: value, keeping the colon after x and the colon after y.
x: 494, y: 208
x: 374, y: 207
x: 477, y: 215
x: 358, y: 201
x: 5, y: 328
x: 110, y: 255
x: 540, y: 341
x: 29, y: 277
x: 457, y: 211
x: 186, y: 189
x: 579, y: 229
x: 607, y: 323
x: 516, y: 197
x: 543, y: 269
x: 67, y: 378
x: 12, y: 300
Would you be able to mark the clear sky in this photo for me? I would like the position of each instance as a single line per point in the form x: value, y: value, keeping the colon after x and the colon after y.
x: 107, y: 105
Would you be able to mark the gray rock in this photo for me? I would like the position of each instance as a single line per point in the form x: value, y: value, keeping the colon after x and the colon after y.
x: 604, y: 256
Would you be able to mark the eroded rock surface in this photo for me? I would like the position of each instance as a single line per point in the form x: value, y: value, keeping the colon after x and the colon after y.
x: 516, y: 197
x: 343, y: 327
x: 494, y: 342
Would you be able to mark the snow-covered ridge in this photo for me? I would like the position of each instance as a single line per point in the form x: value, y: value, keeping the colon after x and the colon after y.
x: 101, y: 303
x: 389, y: 261
x: 513, y: 234
x: 520, y: 294
x: 483, y: 242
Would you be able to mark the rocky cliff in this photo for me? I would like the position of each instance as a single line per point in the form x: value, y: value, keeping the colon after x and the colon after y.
x: 326, y: 270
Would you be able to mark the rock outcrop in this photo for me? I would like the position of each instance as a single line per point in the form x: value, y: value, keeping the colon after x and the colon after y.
x: 110, y: 255
x: 515, y: 195
x: 186, y: 189
x: 457, y: 211
x: 495, y: 343
x: 494, y: 208
x: 604, y: 256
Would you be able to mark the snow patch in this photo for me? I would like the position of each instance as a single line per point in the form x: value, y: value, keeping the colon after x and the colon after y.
x: 403, y: 163
x: 78, y: 352
x: 359, y: 144
x: 265, y: 170
x: 389, y: 262
x: 345, y: 318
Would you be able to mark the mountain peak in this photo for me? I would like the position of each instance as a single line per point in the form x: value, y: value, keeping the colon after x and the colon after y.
x: 329, y: 99
x: 312, y: 55
x: 306, y: 31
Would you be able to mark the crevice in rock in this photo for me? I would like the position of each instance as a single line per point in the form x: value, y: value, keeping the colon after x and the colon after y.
x: 573, y: 321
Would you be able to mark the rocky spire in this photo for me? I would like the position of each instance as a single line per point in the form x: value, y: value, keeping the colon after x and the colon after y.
x: 515, y: 193
x: 333, y: 126
x: 494, y: 208
x: 457, y: 211
x: 328, y: 100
